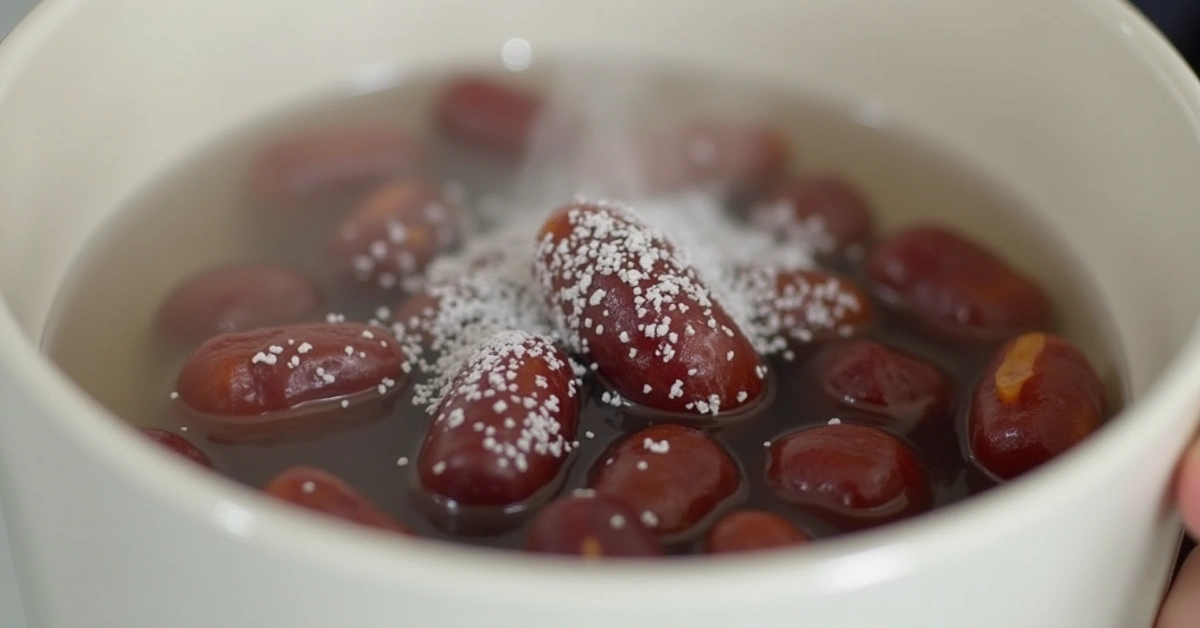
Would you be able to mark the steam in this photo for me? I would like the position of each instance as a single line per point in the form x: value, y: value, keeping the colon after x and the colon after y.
x: 590, y: 139
x: 584, y: 143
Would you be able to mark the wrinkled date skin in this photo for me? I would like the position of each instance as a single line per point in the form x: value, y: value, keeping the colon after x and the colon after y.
x: 822, y: 210
x: 323, y: 492
x: 237, y: 297
x: 807, y: 306
x: 624, y: 301
x: 591, y: 527
x: 313, y: 167
x: 489, y: 117
x: 1038, y: 398
x: 506, y: 427
x: 670, y: 475
x: 397, y: 230
x: 953, y: 287
x: 244, y: 374
x: 859, y: 474
x: 732, y: 155
x: 874, y: 378
x: 179, y: 445
x: 752, y: 530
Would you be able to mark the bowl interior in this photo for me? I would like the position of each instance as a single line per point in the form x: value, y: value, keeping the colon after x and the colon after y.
x: 1087, y: 117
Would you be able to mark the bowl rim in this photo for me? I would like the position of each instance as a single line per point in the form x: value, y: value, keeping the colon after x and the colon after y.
x: 834, y: 566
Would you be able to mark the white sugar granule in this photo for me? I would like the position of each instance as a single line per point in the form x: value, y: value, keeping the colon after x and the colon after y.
x: 489, y: 286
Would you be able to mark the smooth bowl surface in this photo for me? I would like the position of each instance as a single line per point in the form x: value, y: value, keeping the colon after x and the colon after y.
x: 1077, y: 106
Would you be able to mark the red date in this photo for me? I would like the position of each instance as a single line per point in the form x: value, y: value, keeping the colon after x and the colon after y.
x: 506, y: 427
x: 806, y: 306
x: 591, y: 527
x: 1039, y: 398
x: 237, y: 297
x: 752, y: 530
x: 313, y: 167
x: 624, y: 300
x: 728, y: 154
x: 244, y: 374
x: 179, y: 445
x: 488, y: 116
x: 415, y: 318
x: 672, y: 476
x: 859, y: 474
x: 871, y: 377
x: 323, y: 492
x: 394, y: 234
x: 446, y: 312
x: 823, y: 211
x: 952, y: 286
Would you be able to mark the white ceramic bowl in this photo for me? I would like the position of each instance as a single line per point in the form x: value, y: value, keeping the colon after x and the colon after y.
x: 1077, y: 106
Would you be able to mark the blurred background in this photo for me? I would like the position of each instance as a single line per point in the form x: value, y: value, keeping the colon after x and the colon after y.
x: 1179, y: 19
x: 11, y: 12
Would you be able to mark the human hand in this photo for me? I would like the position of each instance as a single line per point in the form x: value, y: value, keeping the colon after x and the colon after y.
x: 1182, y: 606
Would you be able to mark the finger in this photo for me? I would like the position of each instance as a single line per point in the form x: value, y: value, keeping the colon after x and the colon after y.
x: 1182, y: 607
x: 1188, y: 489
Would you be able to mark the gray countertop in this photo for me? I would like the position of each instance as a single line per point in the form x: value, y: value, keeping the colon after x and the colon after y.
x: 11, y: 12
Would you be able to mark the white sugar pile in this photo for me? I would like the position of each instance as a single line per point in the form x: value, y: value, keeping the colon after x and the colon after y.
x: 489, y: 287
x: 584, y: 142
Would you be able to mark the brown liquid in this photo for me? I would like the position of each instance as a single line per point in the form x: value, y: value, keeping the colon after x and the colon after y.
x: 198, y: 215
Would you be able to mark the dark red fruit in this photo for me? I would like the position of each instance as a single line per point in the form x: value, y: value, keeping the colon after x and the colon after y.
x: 823, y: 211
x: 323, y: 492
x: 752, y: 530
x: 855, y: 473
x: 506, y: 426
x: 805, y: 306
x: 243, y: 374
x: 315, y: 166
x: 1038, y: 398
x: 414, y: 318
x: 237, y: 297
x: 397, y: 230
x: 488, y: 116
x: 671, y: 476
x: 868, y: 376
x: 590, y: 527
x: 179, y: 445
x: 728, y: 154
x: 952, y: 286
x: 625, y: 301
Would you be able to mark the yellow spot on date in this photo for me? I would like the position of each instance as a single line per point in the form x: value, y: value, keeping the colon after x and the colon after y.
x: 590, y: 547
x: 1017, y: 366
